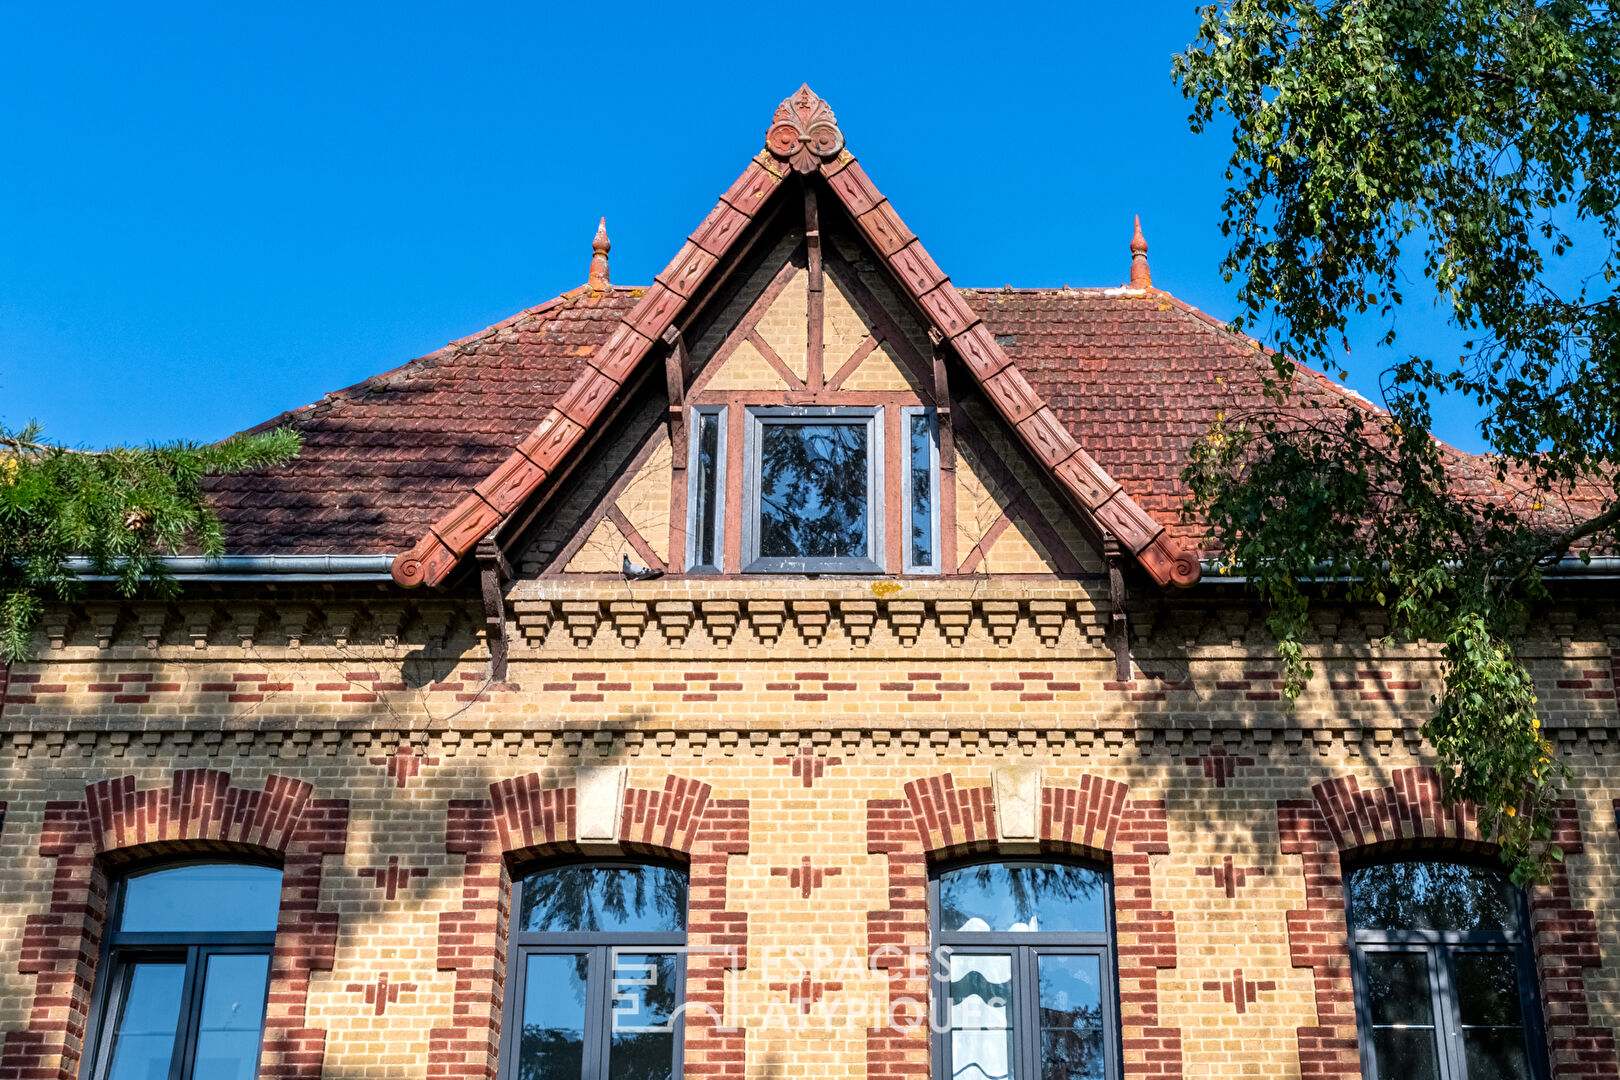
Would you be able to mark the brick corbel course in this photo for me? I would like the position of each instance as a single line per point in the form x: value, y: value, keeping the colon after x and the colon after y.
x: 937, y: 820
x: 1342, y: 818
x: 199, y: 812
x: 524, y: 820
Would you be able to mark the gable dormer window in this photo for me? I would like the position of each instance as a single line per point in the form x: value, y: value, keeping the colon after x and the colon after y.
x: 813, y: 490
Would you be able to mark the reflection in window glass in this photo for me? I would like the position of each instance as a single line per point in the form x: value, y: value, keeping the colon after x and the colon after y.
x: 813, y: 490
x: 645, y: 995
x: 981, y: 1016
x: 1440, y: 972
x: 202, y: 899
x: 1031, y: 897
x: 232, y: 1016
x: 707, y: 490
x: 1402, y: 1010
x: 600, y: 973
x: 553, y: 1017
x: 144, y: 1042
x: 922, y: 491
x: 1071, y: 1017
x: 1488, y: 1006
x: 1432, y: 896
x: 605, y: 899
x: 1024, y: 972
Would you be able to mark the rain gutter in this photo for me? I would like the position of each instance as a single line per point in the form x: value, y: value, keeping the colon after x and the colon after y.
x: 291, y: 569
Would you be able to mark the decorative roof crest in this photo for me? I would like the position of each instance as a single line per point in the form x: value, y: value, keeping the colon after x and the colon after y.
x: 804, y: 132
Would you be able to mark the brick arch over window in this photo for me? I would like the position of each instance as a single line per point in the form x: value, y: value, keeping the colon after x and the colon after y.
x: 199, y: 812
x: 524, y: 820
x: 1343, y: 819
x: 1097, y: 818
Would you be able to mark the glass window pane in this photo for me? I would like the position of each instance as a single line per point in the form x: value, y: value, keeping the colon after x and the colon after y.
x: 1022, y: 897
x: 143, y: 1043
x: 1071, y: 1017
x: 608, y: 899
x: 204, y: 898
x: 553, y: 1038
x: 1488, y: 1003
x: 1402, y: 1007
x: 812, y: 490
x: 232, y: 1016
x: 922, y: 491
x: 645, y: 996
x: 708, y: 487
x: 981, y: 1016
x: 1432, y: 896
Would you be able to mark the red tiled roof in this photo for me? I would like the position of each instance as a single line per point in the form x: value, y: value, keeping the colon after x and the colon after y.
x: 384, y: 458
x: 1136, y: 377
x: 1108, y: 387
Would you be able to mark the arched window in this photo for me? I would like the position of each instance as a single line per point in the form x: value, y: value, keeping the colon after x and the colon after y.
x: 596, y: 973
x: 183, y: 989
x: 1445, y: 987
x: 1024, y: 972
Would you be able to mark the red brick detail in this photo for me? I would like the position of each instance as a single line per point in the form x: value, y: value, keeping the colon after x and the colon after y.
x: 804, y: 877
x: 1340, y: 818
x: 523, y: 821
x: 806, y: 992
x: 1220, y: 766
x: 806, y: 765
x: 393, y: 877
x: 936, y: 819
x: 1228, y: 877
x: 199, y: 812
x: 404, y: 763
x: 1566, y: 940
x: 1240, y: 992
x: 382, y: 993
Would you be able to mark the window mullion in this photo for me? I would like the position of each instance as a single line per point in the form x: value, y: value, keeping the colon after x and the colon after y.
x: 1448, y: 1021
x: 595, y: 1065
x: 1027, y: 1029
x: 180, y: 1063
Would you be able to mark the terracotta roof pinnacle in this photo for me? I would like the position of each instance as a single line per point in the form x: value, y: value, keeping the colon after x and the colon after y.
x: 598, y: 281
x: 1141, y: 277
x: 804, y: 132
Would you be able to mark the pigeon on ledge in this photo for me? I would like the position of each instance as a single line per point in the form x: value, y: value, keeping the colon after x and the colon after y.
x: 634, y: 572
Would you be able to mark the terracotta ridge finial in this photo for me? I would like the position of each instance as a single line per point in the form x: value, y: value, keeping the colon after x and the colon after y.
x: 598, y: 280
x: 1141, y: 276
x: 804, y: 132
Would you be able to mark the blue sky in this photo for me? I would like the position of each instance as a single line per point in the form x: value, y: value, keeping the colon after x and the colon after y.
x: 212, y: 213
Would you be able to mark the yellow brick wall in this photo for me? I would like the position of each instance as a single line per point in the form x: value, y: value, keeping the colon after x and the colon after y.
x: 1200, y: 727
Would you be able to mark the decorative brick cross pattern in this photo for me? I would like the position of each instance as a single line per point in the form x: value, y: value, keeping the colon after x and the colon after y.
x: 382, y: 993
x: 403, y: 764
x: 1220, y: 766
x: 807, y: 766
x: 804, y: 877
x: 393, y: 877
x: 1229, y: 877
x: 806, y: 992
x: 1239, y: 991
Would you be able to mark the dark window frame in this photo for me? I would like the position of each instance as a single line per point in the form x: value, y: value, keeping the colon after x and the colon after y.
x: 1440, y: 948
x: 600, y: 947
x: 1026, y: 949
x: 756, y: 417
x: 122, y: 951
